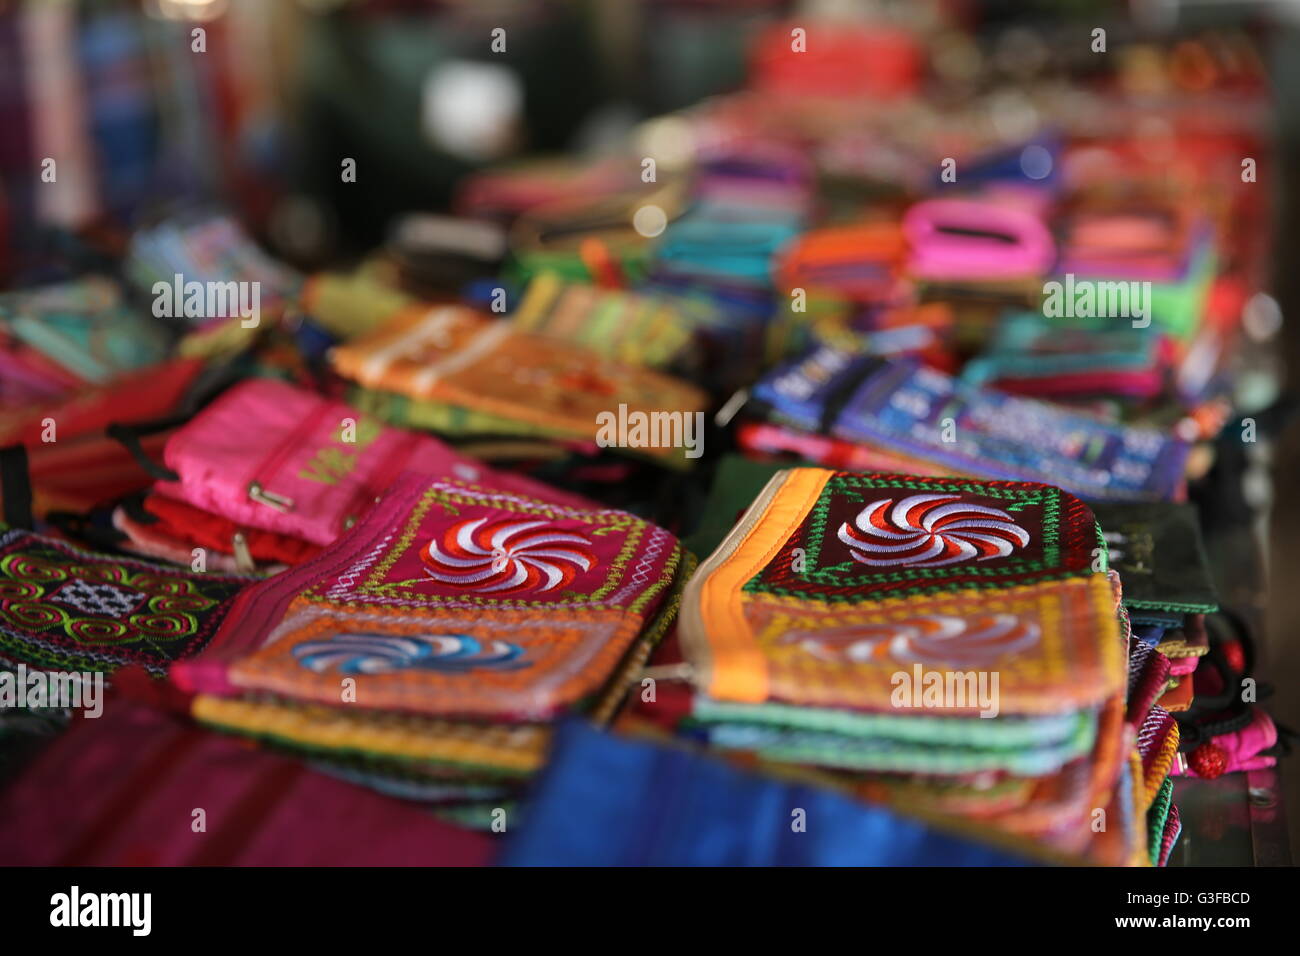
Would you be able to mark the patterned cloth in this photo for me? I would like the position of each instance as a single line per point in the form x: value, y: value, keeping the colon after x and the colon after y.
x: 122, y: 790
x: 837, y: 592
x: 67, y: 609
x: 445, y: 631
x: 904, y: 409
x: 455, y: 356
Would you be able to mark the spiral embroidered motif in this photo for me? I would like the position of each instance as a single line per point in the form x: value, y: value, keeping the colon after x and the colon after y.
x: 930, y: 531
x: 386, y: 653
x: 929, y: 639
x: 507, y: 556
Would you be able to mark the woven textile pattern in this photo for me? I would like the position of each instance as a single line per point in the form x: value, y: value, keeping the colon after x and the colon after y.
x: 65, y: 609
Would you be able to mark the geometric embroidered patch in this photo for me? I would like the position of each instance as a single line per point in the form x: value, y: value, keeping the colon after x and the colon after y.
x: 98, y: 598
x: 62, y: 608
x: 871, y: 537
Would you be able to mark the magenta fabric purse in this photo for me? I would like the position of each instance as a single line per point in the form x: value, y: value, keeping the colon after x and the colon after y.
x: 268, y: 455
x: 966, y: 239
x: 1241, y: 749
x: 150, y: 772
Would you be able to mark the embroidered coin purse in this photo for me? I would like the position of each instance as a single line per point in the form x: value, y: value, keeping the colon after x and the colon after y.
x: 1157, y: 550
x: 453, y: 599
x: 904, y: 408
x: 455, y: 356
x: 833, y: 582
x: 85, y: 327
x: 859, y: 263
x: 62, y: 608
x: 625, y: 326
x: 308, y: 468
x: 1031, y: 355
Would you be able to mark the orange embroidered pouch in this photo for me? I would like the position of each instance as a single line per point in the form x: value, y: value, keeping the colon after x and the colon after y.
x: 833, y: 583
x: 455, y: 355
x: 451, y: 599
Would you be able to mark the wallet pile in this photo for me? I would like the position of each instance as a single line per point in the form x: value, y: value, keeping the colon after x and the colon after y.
x: 803, y: 478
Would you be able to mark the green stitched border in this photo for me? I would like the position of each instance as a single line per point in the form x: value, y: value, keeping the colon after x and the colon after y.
x: 1048, y: 497
x: 1156, y: 817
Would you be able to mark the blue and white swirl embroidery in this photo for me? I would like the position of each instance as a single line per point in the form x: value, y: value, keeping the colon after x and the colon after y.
x: 388, y: 653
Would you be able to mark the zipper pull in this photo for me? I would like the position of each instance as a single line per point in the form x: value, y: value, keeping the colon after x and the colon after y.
x: 269, y: 498
x: 244, y: 562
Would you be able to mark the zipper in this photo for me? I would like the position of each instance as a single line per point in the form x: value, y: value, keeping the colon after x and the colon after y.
x: 269, y: 498
x: 244, y: 562
x: 257, y: 490
x: 371, y: 491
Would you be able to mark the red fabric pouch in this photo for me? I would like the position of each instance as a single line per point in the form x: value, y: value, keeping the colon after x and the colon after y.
x: 180, y: 520
x: 151, y: 773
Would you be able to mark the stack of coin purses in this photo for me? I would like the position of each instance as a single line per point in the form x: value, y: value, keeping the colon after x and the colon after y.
x: 1144, y: 238
x: 1168, y: 589
x: 859, y: 263
x: 830, y: 624
x: 456, y: 371
x: 427, y: 651
x: 691, y: 336
x: 979, y: 248
x: 866, y: 413
x: 744, y: 211
x: 585, y: 237
x: 1062, y: 360
x: 625, y: 326
x: 1157, y: 735
x: 211, y: 249
x: 1194, y: 658
x: 275, y: 495
x: 84, y: 328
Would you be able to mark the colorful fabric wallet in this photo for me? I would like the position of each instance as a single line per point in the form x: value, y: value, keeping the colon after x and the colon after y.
x: 924, y: 634
x: 455, y: 356
x: 66, y: 609
x: 308, y: 470
x: 905, y: 408
x: 611, y: 801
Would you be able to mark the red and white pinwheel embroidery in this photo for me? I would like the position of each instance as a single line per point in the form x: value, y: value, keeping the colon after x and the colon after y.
x: 507, y: 556
x: 929, y: 531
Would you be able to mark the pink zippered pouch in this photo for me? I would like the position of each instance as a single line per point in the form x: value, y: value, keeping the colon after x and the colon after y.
x: 268, y: 455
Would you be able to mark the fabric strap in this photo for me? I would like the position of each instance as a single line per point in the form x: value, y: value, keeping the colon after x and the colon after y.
x: 15, y: 487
